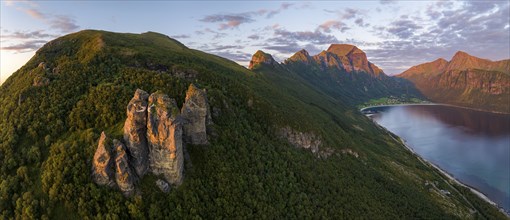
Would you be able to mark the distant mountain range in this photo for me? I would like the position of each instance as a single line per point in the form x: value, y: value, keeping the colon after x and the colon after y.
x: 342, y: 71
x: 465, y: 80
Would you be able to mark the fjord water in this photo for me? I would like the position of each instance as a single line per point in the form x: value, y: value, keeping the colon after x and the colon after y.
x: 471, y: 145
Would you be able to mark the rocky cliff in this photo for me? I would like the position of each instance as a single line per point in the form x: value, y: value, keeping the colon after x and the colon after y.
x: 164, y: 134
x: 102, y: 166
x: 196, y: 111
x: 124, y: 176
x: 301, y: 139
x: 261, y: 58
x: 154, y: 134
x: 135, y: 129
x: 465, y: 80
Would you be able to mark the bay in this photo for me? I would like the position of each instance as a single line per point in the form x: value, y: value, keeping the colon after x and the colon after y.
x: 472, y: 146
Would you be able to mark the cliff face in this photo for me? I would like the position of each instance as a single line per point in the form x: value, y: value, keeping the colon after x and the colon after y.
x: 153, y: 132
x: 465, y: 80
x: 124, y: 176
x: 164, y: 134
x: 261, y: 58
x: 196, y: 111
x: 102, y: 165
x: 348, y: 58
x: 301, y: 139
x: 135, y: 129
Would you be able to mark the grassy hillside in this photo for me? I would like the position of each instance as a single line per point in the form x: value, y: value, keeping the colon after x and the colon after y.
x: 49, y: 132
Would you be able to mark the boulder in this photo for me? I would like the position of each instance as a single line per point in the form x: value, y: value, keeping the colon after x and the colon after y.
x: 124, y: 175
x: 164, y: 135
x: 135, y: 129
x: 102, y: 164
x: 163, y: 186
x: 196, y: 111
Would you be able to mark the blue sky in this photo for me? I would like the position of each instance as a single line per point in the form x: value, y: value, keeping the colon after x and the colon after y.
x: 394, y: 34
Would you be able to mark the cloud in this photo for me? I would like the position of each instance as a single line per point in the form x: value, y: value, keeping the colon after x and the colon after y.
x: 34, y: 13
x: 254, y: 37
x: 291, y: 48
x: 234, y: 20
x: 361, y: 23
x: 229, y: 20
x: 63, y: 23
x: 387, y: 2
x: 403, y: 28
x: 19, y: 35
x: 237, y: 56
x: 332, y: 24
x: 316, y: 37
x: 350, y: 13
x: 182, y: 36
x: 26, y: 46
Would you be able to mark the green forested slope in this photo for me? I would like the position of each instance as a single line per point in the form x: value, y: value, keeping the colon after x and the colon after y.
x: 49, y: 132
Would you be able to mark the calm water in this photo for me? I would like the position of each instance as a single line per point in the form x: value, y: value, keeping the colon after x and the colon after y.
x: 473, y: 146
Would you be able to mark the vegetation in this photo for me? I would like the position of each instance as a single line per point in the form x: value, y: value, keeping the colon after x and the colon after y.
x: 48, y: 135
x: 392, y: 100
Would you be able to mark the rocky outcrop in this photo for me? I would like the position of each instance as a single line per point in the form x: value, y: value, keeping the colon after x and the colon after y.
x: 347, y: 58
x: 261, y: 58
x: 196, y: 111
x: 301, y: 139
x: 135, y: 129
x: 301, y: 56
x: 41, y: 81
x: 102, y: 164
x: 163, y: 186
x: 164, y: 135
x: 465, y: 80
x: 124, y: 176
x: 153, y: 133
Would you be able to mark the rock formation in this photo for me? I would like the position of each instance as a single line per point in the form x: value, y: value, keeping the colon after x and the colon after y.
x: 301, y: 139
x: 164, y: 135
x: 124, y: 176
x: 102, y: 165
x: 262, y: 58
x: 301, y: 56
x: 135, y: 129
x: 153, y: 133
x: 196, y: 111
x: 352, y: 59
x: 41, y: 81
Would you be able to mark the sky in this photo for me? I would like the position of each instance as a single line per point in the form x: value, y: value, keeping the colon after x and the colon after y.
x: 395, y: 35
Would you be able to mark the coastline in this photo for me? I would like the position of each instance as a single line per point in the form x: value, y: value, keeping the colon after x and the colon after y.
x: 433, y: 103
x: 440, y: 170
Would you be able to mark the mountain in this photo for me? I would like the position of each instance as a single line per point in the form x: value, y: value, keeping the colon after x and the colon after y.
x: 262, y: 143
x: 465, y: 80
x: 344, y: 72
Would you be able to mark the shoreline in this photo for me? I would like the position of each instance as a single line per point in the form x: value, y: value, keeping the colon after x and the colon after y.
x: 433, y: 103
x: 443, y: 172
